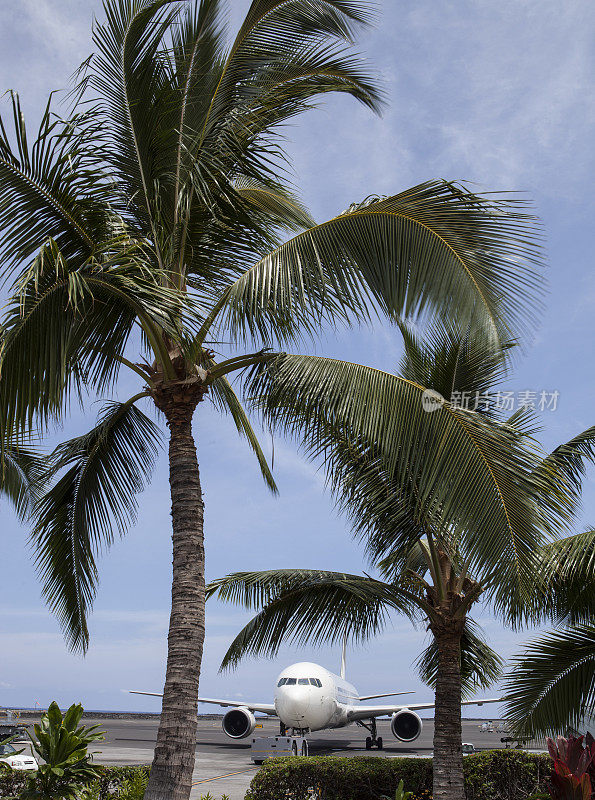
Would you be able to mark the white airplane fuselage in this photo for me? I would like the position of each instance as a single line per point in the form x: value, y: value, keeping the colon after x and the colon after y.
x: 300, y: 703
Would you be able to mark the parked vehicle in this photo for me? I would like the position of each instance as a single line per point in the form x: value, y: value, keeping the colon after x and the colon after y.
x: 14, y: 732
x: 11, y: 756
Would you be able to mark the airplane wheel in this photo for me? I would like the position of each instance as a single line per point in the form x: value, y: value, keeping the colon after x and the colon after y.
x: 294, y: 749
x: 368, y: 743
x: 304, y: 748
x: 379, y: 743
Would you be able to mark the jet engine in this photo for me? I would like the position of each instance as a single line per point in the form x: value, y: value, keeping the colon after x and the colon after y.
x: 238, y: 723
x: 405, y: 725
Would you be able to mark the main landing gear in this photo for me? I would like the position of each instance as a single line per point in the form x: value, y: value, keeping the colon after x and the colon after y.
x: 373, y: 740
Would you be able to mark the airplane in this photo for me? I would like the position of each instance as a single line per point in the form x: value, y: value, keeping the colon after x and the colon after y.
x: 309, y: 698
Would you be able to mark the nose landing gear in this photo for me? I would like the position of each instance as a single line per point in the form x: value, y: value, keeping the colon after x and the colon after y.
x: 373, y: 740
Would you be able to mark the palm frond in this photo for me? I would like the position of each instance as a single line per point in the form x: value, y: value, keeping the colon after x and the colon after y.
x: 92, y: 500
x: 306, y: 606
x: 72, y: 322
x: 568, y: 463
x: 54, y: 188
x: 480, y: 665
x: 275, y: 203
x: 454, y: 468
x: 228, y: 402
x: 435, y: 249
x: 20, y: 472
x: 273, y: 32
x: 551, y: 685
x: 128, y: 75
x: 451, y: 361
x: 567, y: 577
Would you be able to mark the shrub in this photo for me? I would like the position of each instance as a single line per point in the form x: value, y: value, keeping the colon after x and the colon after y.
x: 61, y: 744
x: 573, y: 768
x: 113, y: 783
x: 492, y: 775
x: 119, y: 783
x: 505, y: 774
x: 12, y: 782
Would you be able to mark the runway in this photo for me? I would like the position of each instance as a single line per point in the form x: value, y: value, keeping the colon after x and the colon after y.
x: 223, y: 765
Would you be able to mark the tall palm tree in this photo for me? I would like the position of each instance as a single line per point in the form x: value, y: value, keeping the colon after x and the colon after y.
x: 150, y: 224
x: 434, y: 565
x: 551, y: 683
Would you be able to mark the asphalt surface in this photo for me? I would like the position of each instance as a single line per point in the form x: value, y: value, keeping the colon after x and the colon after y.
x: 223, y: 766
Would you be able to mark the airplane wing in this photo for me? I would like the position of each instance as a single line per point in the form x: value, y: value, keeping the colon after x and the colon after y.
x: 367, y: 712
x: 264, y: 708
x: 386, y: 694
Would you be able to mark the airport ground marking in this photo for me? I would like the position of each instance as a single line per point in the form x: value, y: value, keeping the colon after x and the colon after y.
x: 227, y: 775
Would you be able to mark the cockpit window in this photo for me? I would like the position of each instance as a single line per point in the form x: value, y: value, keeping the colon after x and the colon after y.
x: 316, y: 682
x: 282, y: 682
x: 290, y: 682
x: 303, y: 681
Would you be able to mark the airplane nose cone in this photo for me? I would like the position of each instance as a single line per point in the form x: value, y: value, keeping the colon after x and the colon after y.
x: 292, y: 705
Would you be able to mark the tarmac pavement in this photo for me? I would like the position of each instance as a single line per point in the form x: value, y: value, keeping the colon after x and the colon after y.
x: 223, y: 765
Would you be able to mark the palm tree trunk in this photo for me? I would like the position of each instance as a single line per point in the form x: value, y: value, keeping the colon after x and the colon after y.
x: 173, y: 762
x: 448, y: 756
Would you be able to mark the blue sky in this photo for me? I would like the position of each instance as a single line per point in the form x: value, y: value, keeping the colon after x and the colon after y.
x: 498, y: 93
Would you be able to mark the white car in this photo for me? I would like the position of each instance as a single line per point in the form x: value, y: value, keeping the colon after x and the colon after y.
x: 11, y: 756
x: 468, y: 749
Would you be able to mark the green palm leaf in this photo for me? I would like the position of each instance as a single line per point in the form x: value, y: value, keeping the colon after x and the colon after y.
x: 275, y: 32
x: 19, y: 478
x: 73, y: 323
x: 92, y: 500
x: 454, y: 363
x: 54, y: 188
x: 227, y: 401
x: 568, y: 579
x: 275, y: 203
x: 434, y: 248
x: 551, y: 685
x: 307, y: 606
x: 456, y: 468
x: 568, y: 463
x: 129, y: 77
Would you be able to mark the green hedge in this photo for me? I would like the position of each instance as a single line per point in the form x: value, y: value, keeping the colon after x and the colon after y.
x: 107, y: 787
x: 492, y: 775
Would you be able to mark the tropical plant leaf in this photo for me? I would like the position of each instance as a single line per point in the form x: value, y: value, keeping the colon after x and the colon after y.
x: 54, y: 188
x: 451, y: 361
x: 276, y: 32
x: 276, y: 204
x: 456, y: 469
x: 227, y: 401
x: 568, y: 463
x: 567, y: 575
x: 129, y: 76
x: 435, y: 248
x: 74, y: 322
x: 92, y: 500
x: 307, y: 606
x: 20, y: 473
x: 551, y: 685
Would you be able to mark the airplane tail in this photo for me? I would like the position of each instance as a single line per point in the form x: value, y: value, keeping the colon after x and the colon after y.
x: 343, y: 654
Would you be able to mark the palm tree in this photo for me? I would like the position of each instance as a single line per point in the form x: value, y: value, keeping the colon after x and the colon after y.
x: 149, y: 225
x: 551, y: 684
x: 433, y: 564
